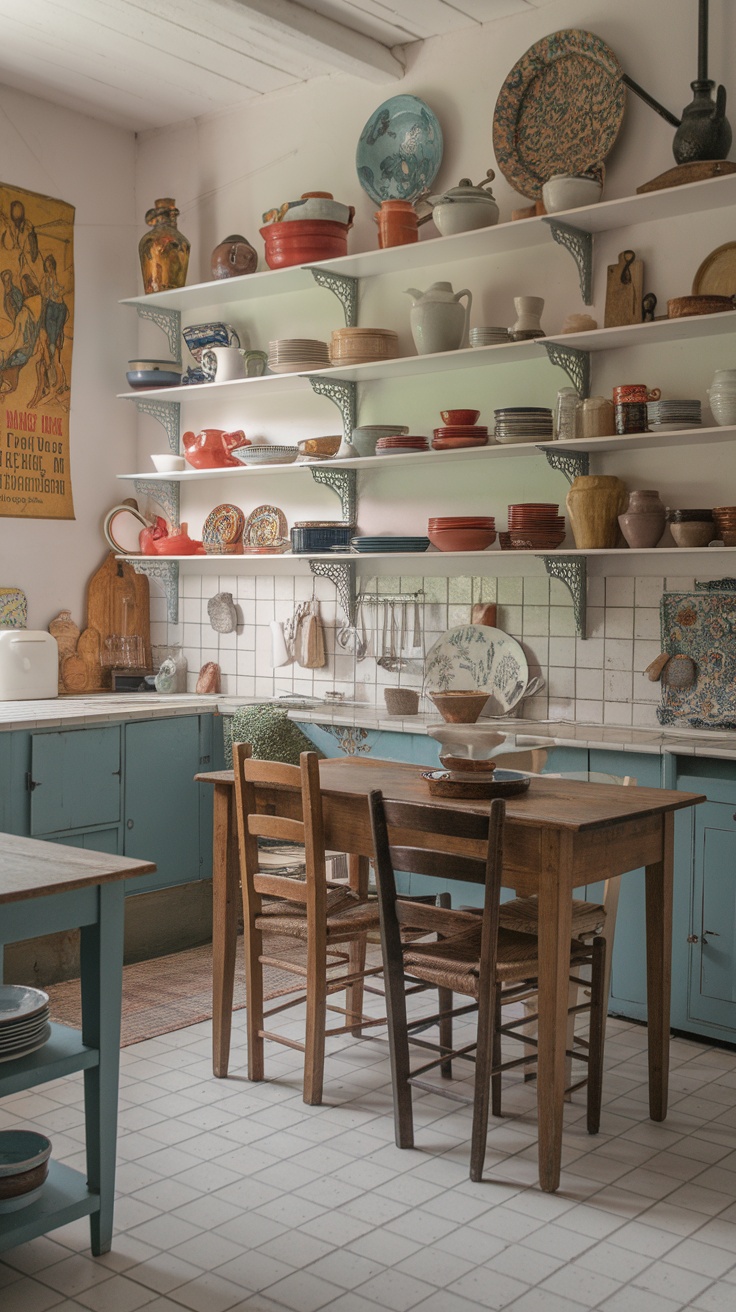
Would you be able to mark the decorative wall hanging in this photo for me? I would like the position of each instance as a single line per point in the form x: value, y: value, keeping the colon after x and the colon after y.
x: 36, y: 335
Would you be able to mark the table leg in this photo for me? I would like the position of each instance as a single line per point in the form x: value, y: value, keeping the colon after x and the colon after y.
x: 659, y: 880
x: 555, y: 918
x: 101, y: 969
x: 225, y: 907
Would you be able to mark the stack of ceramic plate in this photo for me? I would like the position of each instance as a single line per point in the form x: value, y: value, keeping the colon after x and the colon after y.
x: 535, y: 525
x: 462, y: 532
x: 489, y: 336
x: 389, y: 544
x: 672, y: 416
x: 386, y: 446
x: 290, y: 355
x: 453, y: 436
x: 725, y: 517
x: 24, y: 1020
x: 524, y: 423
x: 363, y: 345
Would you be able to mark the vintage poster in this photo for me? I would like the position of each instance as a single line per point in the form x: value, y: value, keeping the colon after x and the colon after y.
x: 36, y: 336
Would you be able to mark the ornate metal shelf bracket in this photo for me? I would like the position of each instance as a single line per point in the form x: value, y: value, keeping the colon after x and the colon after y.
x: 169, y: 321
x: 580, y: 245
x: 343, y: 483
x: 569, y: 463
x: 165, y: 413
x: 573, y: 572
x: 344, y: 288
x: 343, y: 395
x: 576, y: 364
x: 167, y: 572
x: 166, y: 495
x: 342, y: 574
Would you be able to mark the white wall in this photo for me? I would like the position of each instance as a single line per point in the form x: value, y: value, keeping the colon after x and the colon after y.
x: 226, y: 169
x: 91, y: 165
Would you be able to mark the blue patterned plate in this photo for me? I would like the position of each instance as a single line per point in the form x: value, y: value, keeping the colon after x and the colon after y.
x: 399, y: 150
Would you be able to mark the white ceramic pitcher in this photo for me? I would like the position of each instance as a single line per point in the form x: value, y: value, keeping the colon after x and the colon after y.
x: 438, y: 321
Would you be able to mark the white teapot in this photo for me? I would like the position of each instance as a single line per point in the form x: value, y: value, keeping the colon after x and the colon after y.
x: 438, y: 321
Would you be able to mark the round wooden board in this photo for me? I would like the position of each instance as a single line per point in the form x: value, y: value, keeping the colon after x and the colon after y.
x: 717, y: 274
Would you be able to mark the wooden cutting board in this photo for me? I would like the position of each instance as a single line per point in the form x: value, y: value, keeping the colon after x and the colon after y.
x: 624, y: 289
x: 118, y: 603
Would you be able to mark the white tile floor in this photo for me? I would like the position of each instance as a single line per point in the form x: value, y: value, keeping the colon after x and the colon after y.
x: 237, y: 1196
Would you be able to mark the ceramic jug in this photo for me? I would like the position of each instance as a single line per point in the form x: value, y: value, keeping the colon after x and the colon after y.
x: 211, y: 448
x: 643, y: 521
x: 233, y: 257
x: 438, y: 321
x: 164, y: 252
x: 594, y: 504
x: 528, y: 318
x: 704, y: 131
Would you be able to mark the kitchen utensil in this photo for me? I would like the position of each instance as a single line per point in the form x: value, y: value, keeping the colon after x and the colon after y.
x: 118, y: 601
x: 140, y: 379
x: 399, y: 151
x: 212, y: 448
x: 265, y: 454
x: 565, y: 191
x: 559, y: 110
x: 319, y: 448
x: 319, y: 535
x: 305, y: 241
x: 384, y: 638
x: 473, y: 657
x: 166, y: 463
x: 24, y: 1166
x: 311, y: 639
x: 716, y: 276
x: 397, y: 224
x: 457, y: 706
x: 121, y: 528
x: 465, y: 208
x: 624, y: 289
x: 678, y: 307
x: 438, y: 320
x: 199, y: 336
x: 279, y: 651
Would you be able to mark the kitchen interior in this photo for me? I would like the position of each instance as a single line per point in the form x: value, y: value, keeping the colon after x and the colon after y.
x: 528, y: 279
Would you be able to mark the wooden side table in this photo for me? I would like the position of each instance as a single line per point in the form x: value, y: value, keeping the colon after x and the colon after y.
x: 46, y: 888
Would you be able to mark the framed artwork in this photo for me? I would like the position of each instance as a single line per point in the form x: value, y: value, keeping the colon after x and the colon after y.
x: 36, y: 338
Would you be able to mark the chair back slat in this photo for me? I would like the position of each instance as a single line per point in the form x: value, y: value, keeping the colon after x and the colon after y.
x: 426, y: 818
x: 273, y: 772
x: 424, y: 916
x: 293, y: 890
x: 276, y: 826
x: 422, y: 861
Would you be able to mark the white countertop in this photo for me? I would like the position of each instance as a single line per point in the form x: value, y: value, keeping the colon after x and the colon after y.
x: 64, y: 712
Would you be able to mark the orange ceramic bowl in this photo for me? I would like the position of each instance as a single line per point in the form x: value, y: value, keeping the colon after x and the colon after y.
x: 462, y: 539
x: 453, y: 417
x: 304, y: 241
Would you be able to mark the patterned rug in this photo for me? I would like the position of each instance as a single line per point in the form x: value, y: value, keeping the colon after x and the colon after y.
x: 170, y: 993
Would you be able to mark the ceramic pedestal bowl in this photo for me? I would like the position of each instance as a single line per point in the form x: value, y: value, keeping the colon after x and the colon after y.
x: 24, y: 1165
x: 459, y: 707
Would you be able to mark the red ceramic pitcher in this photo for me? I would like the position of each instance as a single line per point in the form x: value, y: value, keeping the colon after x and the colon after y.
x: 211, y: 448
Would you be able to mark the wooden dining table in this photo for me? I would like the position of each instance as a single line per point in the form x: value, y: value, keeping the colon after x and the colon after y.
x: 559, y: 836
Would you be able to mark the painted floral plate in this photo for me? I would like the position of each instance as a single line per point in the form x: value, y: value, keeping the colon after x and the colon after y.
x: 478, y: 656
x: 399, y: 150
x: 223, y: 528
x: 265, y: 527
x: 559, y: 110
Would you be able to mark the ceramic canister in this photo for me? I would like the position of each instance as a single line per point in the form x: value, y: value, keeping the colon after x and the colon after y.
x: 643, y: 521
x: 596, y: 417
x: 397, y: 223
x: 635, y: 392
x: 631, y: 417
x: 594, y: 504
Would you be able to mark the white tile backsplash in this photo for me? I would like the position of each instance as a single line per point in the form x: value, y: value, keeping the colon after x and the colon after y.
x: 597, y: 680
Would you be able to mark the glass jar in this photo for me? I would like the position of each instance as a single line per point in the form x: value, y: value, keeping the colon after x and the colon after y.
x: 170, y: 667
x: 567, y: 414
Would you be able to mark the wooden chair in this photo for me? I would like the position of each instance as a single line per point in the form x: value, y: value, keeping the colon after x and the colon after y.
x: 321, y: 915
x: 471, y: 955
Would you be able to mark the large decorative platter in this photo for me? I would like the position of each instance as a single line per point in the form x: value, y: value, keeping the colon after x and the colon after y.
x: 559, y: 110
x: 478, y: 656
x: 223, y: 528
x: 265, y: 527
x: 399, y: 150
x: 717, y: 274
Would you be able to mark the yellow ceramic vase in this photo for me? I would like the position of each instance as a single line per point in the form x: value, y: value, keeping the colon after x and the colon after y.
x: 594, y: 504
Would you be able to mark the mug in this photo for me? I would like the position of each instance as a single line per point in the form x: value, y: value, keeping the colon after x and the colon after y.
x: 634, y: 392
x: 223, y: 363
x: 255, y: 363
x: 631, y: 417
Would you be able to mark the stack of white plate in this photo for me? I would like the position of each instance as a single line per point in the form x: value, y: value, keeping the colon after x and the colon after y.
x: 673, y: 416
x: 24, y: 1020
x: 524, y: 423
x: 290, y: 355
x: 489, y: 336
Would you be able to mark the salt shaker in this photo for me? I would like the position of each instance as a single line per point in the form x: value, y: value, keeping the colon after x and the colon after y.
x: 567, y: 414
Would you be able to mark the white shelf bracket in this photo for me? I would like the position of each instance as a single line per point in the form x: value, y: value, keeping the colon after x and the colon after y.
x: 573, y: 572
x: 571, y: 464
x: 166, y: 495
x: 575, y: 363
x: 344, y: 288
x: 342, y: 574
x: 343, y: 483
x: 165, y: 413
x: 169, y: 321
x: 343, y: 395
x: 580, y: 245
x: 167, y: 572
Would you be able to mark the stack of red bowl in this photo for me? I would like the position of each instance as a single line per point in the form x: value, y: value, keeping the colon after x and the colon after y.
x: 400, y: 444
x: 462, y: 532
x: 725, y: 517
x: 460, y: 429
x: 537, y: 525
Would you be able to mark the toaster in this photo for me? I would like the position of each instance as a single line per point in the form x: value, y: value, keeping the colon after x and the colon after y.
x: 29, y: 665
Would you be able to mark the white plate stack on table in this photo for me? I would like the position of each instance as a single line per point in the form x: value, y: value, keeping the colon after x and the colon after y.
x: 672, y: 416
x: 24, y: 1020
x: 524, y: 423
x: 291, y: 355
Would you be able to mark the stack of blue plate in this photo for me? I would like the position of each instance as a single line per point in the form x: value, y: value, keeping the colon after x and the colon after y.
x: 389, y: 544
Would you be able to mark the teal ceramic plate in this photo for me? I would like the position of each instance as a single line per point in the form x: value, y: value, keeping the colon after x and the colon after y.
x: 399, y: 150
x: 559, y: 110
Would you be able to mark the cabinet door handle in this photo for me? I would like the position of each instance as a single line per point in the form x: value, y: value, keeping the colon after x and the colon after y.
x: 130, y: 823
x: 32, y: 783
x: 712, y: 932
x: 693, y: 938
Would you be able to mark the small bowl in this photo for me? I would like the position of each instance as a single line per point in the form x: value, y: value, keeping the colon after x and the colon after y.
x: 24, y: 1165
x: 462, y: 539
x: 321, y: 448
x: 693, y: 533
x: 568, y: 192
x: 459, y: 707
x: 365, y: 436
x: 465, y: 765
x: 168, y: 464
x: 401, y: 701
x: 454, y: 417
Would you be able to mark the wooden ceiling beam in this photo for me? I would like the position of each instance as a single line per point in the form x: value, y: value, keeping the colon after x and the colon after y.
x: 315, y: 36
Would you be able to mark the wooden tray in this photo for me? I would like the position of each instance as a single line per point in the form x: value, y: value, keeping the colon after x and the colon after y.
x: 505, y: 783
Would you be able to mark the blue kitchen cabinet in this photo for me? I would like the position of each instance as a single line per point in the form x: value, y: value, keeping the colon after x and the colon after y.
x: 75, y: 780
x: 162, y: 815
x: 94, y: 840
